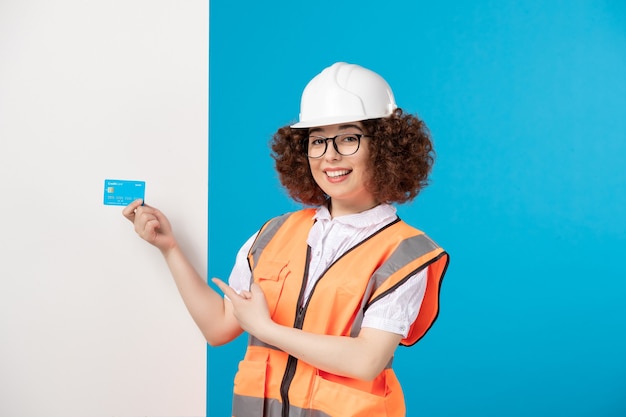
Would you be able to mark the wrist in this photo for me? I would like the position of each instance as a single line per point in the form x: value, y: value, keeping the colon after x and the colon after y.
x: 169, y: 249
x: 269, y: 332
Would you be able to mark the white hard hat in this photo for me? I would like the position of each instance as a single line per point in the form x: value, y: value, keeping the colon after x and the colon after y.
x: 345, y: 93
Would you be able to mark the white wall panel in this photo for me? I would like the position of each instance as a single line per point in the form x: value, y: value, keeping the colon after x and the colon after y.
x: 91, y: 323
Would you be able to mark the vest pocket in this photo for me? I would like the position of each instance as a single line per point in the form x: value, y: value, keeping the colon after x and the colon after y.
x: 249, y: 388
x: 271, y: 275
x: 337, y: 399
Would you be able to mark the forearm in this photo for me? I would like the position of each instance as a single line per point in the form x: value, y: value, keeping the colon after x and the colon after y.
x: 362, y: 357
x: 206, y: 306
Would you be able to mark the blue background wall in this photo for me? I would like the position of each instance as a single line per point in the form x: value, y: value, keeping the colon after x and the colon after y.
x: 527, y: 107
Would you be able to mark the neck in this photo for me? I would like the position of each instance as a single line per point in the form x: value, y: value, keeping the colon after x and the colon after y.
x: 340, y: 208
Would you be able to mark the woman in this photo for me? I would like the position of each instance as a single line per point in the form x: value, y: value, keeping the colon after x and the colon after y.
x: 326, y: 293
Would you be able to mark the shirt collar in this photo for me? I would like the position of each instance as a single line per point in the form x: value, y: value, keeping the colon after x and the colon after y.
x: 374, y: 216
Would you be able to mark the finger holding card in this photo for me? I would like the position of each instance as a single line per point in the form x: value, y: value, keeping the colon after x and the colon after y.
x: 152, y: 226
x: 129, y: 210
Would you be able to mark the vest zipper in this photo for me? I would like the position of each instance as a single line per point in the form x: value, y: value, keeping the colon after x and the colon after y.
x: 292, y: 362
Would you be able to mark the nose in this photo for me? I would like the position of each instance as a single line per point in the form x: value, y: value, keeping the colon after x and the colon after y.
x: 331, y: 153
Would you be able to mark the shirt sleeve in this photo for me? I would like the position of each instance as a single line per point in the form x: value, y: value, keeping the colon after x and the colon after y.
x: 240, y: 275
x: 398, y: 310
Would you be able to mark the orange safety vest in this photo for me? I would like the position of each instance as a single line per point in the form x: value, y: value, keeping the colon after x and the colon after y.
x: 272, y: 383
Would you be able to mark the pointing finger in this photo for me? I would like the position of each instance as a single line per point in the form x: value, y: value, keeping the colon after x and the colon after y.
x: 129, y: 210
x: 226, y: 289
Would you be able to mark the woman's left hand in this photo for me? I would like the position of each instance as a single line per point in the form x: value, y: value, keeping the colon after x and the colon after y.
x: 250, y: 307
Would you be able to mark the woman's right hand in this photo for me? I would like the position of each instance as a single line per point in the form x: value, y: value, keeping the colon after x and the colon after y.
x: 151, y: 225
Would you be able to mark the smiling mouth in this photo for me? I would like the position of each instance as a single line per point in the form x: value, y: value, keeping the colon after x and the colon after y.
x: 336, y: 174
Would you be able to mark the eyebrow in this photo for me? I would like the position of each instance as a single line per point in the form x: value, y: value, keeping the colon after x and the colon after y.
x: 341, y: 127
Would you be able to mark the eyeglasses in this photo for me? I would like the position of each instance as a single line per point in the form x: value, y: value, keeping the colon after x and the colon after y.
x: 345, y: 144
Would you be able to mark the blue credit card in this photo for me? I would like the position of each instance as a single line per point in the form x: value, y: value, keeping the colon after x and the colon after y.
x: 123, y: 192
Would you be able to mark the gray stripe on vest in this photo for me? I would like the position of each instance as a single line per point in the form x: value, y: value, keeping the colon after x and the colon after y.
x: 253, y: 341
x: 266, y: 235
x: 244, y: 406
x: 409, y: 250
x: 356, y: 325
x: 406, y: 252
x: 247, y: 406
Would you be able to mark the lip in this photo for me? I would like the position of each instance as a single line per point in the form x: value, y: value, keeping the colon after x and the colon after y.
x: 335, y: 175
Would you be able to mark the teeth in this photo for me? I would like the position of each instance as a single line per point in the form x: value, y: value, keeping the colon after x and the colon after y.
x: 334, y: 174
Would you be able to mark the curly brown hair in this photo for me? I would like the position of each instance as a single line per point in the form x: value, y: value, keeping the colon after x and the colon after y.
x: 401, y: 157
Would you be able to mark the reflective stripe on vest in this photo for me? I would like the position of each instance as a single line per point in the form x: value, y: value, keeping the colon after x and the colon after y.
x: 252, y: 406
x: 278, y: 384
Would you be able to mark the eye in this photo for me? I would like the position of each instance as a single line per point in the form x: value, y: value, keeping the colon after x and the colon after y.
x: 349, y: 138
x: 316, y: 141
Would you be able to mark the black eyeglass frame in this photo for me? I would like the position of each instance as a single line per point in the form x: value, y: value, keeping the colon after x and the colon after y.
x: 305, y: 143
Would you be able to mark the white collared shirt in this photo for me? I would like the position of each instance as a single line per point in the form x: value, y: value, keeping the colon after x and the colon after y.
x: 329, y: 238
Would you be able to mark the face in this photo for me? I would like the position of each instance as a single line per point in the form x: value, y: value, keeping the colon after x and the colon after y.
x: 343, y: 178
